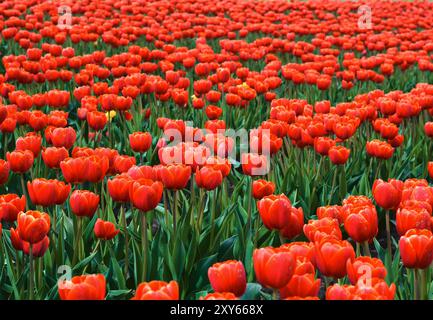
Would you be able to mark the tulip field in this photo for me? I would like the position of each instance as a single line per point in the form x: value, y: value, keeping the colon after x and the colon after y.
x: 216, y: 150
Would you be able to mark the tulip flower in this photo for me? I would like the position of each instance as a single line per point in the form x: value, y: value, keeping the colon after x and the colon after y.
x: 140, y: 141
x: 52, y: 156
x: 338, y: 155
x: 361, y: 224
x: 262, y: 188
x: 47, y: 193
x: 85, y: 287
x: 365, y: 268
x: 332, y: 255
x: 228, y: 276
x: 157, y: 290
x: 316, y: 230
x: 275, y: 211
x: 273, y: 267
x: 84, y: 203
x: 105, y: 230
x: 388, y: 195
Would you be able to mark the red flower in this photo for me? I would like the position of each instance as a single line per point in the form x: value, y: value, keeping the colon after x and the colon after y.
x: 31, y: 142
x: 412, y: 217
x: 20, y: 161
x: 118, y: 187
x: 105, y: 230
x: 361, y: 223
x: 96, y: 120
x: 274, y: 267
x: 295, y: 225
x: 262, y: 188
x: 416, y: 248
x: 84, y: 203
x: 33, y: 226
x: 228, y: 276
x: 85, y: 287
x: 316, y: 230
x: 388, y: 194
x: 10, y: 206
x: 208, y: 178
x: 52, y: 156
x: 63, y: 137
x: 157, y: 290
x: 332, y: 256
x: 140, y: 141
x: 338, y: 155
x: 275, y: 211
x: 123, y: 163
x: 82, y: 169
x: 254, y: 164
x: 145, y: 194
x: 365, y: 268
x: 302, y: 284
x: 47, y: 193
x: 175, y: 176
x: 334, y: 212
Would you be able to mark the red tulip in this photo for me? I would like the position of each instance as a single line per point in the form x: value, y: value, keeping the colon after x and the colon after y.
x: 416, y: 248
x: 414, y: 217
x: 365, y: 268
x: 208, y: 178
x: 105, y: 230
x: 388, y: 194
x: 140, y: 141
x: 31, y: 142
x: 52, y: 156
x: 157, y: 290
x: 33, y: 226
x: 86, y: 287
x: 123, y: 163
x: 333, y: 212
x: 10, y: 206
x: 332, y: 256
x: 302, y: 284
x: 316, y: 230
x: 338, y: 155
x: 63, y: 137
x: 96, y: 120
x: 20, y: 161
x: 145, y: 194
x: 262, y: 188
x: 118, y: 187
x: 84, y: 203
x: 361, y: 223
x: 275, y: 211
x: 274, y: 267
x: 295, y: 224
x: 47, y: 193
x: 228, y: 276
x: 175, y: 176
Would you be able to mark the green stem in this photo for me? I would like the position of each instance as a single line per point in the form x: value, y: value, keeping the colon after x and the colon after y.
x: 23, y: 187
x: 366, y: 249
x: 388, y: 235
x: 144, y: 244
x: 31, y: 272
x: 423, y: 284
x: 125, y: 230
x: 212, y: 222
